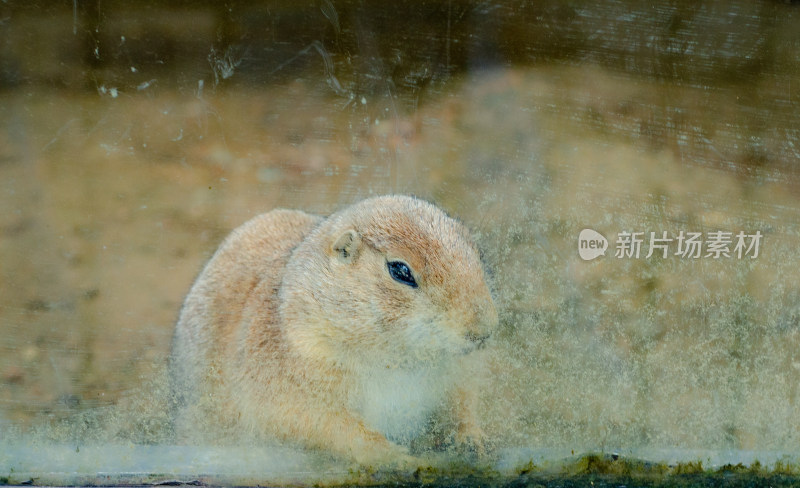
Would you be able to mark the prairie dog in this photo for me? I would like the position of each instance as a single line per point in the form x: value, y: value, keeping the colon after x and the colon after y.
x: 344, y: 333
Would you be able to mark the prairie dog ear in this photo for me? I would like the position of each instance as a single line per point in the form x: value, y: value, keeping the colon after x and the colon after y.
x: 346, y: 246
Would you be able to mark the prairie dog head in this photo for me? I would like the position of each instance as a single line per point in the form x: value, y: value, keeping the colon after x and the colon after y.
x: 390, y: 279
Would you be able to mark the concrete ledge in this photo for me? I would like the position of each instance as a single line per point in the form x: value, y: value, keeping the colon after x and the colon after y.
x: 63, y: 465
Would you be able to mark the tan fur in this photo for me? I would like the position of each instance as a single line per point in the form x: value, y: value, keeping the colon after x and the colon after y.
x: 296, y: 330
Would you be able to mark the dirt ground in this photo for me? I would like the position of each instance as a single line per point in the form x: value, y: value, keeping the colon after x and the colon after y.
x: 113, y: 200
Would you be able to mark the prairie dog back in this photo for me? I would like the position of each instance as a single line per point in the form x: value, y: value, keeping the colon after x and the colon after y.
x: 253, y: 254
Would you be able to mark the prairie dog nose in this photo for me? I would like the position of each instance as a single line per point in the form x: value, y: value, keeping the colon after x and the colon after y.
x: 483, y: 323
x: 477, y: 339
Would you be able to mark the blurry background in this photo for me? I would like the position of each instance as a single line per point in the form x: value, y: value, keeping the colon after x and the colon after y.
x: 135, y: 135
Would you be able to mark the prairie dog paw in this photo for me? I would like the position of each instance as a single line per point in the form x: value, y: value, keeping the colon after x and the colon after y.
x: 471, y: 440
x: 392, y: 457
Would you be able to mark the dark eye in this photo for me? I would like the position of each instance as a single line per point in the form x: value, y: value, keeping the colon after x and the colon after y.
x: 402, y: 273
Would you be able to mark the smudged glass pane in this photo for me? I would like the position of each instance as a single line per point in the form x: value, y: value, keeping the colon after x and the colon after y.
x: 629, y: 172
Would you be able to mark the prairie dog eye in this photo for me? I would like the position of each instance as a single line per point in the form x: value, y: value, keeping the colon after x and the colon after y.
x: 401, y: 273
